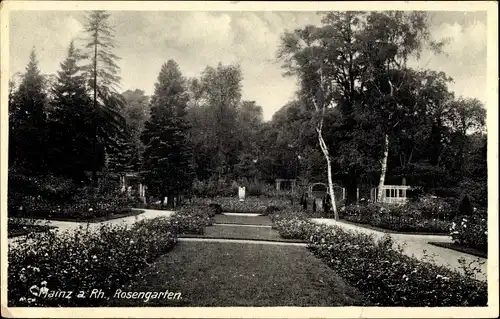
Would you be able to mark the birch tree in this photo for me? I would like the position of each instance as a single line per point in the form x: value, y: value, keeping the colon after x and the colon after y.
x: 326, y: 59
x: 391, y: 38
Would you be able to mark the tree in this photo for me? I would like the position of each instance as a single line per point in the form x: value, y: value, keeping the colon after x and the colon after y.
x: 325, y: 60
x: 466, y: 116
x: 28, y: 121
x: 336, y: 64
x: 102, y: 73
x: 222, y: 96
x: 167, y: 161
x: 391, y: 38
x: 71, y: 120
x: 136, y: 113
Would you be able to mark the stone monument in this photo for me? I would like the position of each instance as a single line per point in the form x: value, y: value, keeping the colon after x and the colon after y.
x: 241, y: 193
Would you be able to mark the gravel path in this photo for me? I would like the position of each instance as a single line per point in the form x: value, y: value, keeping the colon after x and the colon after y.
x: 129, y: 220
x: 418, y: 246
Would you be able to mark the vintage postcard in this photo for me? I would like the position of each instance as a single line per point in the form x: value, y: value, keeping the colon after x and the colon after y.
x: 217, y: 159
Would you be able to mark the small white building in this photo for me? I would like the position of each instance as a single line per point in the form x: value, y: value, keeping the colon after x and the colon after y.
x: 391, y: 194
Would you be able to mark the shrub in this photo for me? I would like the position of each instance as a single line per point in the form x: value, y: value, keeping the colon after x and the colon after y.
x: 381, y: 271
x: 83, y: 260
x: 213, y: 188
x: 431, y: 208
x: 85, y: 206
x: 217, y: 209
x: 471, y: 231
x: 465, y: 208
x: 191, y: 220
x: 405, y: 218
x: 257, y: 205
x: 292, y: 225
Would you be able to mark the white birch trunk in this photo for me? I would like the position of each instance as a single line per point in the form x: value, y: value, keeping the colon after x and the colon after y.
x: 319, y: 129
x: 383, y: 169
x: 324, y: 148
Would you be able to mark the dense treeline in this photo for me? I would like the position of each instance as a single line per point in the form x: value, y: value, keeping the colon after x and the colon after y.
x: 378, y: 116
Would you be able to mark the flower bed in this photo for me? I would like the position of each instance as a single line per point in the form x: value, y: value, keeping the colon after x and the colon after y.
x: 471, y: 232
x: 83, y: 260
x: 255, y: 205
x: 84, y: 208
x: 385, y: 275
x: 405, y: 218
x: 292, y: 225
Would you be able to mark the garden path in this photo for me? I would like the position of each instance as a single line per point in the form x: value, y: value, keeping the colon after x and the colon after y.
x: 418, y: 246
x: 129, y: 220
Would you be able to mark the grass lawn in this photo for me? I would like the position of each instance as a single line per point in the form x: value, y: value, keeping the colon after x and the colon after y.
x: 462, y: 249
x: 242, y: 232
x: 244, y: 220
x: 89, y: 219
x: 235, y: 274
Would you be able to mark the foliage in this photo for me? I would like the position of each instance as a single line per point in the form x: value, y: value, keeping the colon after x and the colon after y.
x: 255, y: 205
x: 191, y: 219
x: 292, y: 225
x: 412, y: 217
x: 86, y: 259
x: 471, y: 231
x: 102, y: 74
x: 28, y: 121
x: 51, y: 196
x: 381, y: 271
x: 136, y: 113
x: 167, y: 168
x: 71, y: 120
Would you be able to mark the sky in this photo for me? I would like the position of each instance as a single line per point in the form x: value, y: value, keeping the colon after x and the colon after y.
x: 197, y: 39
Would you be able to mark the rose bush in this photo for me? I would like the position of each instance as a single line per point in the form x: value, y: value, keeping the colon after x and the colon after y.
x: 292, y: 225
x: 83, y: 260
x: 87, y: 259
x: 410, y: 217
x: 471, y: 231
x: 192, y: 219
x: 257, y: 205
x: 85, y: 206
x: 385, y: 275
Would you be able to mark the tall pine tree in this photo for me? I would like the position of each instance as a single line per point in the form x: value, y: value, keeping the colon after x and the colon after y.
x: 103, y: 80
x: 167, y: 167
x: 71, y: 120
x: 28, y: 121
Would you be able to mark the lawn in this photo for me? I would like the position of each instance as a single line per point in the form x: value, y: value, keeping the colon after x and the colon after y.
x: 243, y: 220
x: 242, y: 232
x: 234, y: 274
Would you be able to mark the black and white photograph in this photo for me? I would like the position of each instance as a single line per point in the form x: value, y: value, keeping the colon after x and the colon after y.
x: 255, y: 159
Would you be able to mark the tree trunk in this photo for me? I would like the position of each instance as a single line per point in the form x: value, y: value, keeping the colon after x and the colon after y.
x: 324, y: 148
x: 383, y: 169
x: 94, y: 140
